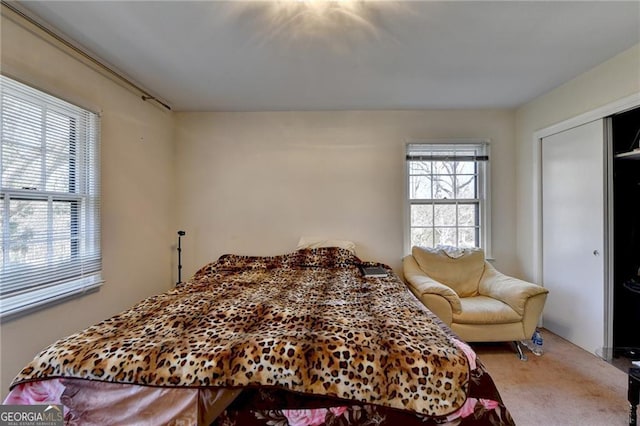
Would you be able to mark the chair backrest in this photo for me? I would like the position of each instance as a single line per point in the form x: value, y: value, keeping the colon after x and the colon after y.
x: 461, y: 272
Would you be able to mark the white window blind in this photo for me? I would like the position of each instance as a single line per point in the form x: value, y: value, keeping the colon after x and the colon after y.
x: 448, y: 194
x: 49, y: 199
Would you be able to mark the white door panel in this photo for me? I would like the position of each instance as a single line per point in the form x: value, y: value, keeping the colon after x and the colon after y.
x: 573, y: 234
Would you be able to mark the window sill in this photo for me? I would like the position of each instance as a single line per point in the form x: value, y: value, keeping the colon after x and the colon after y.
x: 16, y: 306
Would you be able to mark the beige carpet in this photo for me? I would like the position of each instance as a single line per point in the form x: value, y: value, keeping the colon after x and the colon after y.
x: 564, y: 386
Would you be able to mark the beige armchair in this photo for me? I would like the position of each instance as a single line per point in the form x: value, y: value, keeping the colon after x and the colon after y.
x: 479, y: 303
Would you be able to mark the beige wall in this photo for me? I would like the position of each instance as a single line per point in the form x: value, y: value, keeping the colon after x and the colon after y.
x: 137, y: 187
x: 253, y: 183
x: 610, y: 81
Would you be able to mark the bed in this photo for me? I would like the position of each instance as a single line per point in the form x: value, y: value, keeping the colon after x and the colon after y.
x: 296, y: 339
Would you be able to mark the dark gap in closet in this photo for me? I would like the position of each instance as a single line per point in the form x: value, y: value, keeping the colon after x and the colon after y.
x: 626, y: 223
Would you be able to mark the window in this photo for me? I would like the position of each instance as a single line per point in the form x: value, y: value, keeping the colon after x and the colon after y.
x: 447, y: 194
x: 49, y: 199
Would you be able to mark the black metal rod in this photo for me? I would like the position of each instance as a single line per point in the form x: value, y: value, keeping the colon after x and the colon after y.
x: 180, y: 234
x: 153, y: 98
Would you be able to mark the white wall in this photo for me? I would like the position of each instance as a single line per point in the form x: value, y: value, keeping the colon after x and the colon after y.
x: 253, y: 183
x: 612, y: 80
x: 137, y: 187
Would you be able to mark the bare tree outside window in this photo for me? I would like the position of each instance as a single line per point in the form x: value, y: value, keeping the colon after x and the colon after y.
x: 445, y: 194
x: 49, y: 199
x: 38, y: 158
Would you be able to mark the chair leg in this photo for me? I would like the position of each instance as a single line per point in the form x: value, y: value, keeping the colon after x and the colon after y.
x: 519, y: 351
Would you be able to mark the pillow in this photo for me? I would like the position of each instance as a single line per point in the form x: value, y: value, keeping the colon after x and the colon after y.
x: 451, y: 251
x: 461, y: 273
x: 311, y: 243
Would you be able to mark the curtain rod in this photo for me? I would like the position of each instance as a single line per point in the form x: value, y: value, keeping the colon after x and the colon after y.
x: 146, y: 96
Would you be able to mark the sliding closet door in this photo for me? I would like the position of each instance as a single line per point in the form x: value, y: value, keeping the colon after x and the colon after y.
x: 573, y: 209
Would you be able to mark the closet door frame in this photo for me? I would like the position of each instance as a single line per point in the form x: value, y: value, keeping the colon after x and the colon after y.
x: 621, y: 105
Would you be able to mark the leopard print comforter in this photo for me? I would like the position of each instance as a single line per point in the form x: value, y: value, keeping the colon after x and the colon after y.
x: 305, y: 322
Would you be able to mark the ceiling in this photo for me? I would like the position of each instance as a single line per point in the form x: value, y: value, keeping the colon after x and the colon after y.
x: 358, y: 55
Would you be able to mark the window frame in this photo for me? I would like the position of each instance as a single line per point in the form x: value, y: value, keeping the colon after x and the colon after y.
x: 49, y: 281
x: 483, y: 187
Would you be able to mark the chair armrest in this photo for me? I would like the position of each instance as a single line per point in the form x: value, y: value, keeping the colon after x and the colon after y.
x: 512, y: 291
x: 421, y: 284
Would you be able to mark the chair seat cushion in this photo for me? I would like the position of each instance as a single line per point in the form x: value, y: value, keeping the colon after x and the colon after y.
x: 485, y: 310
